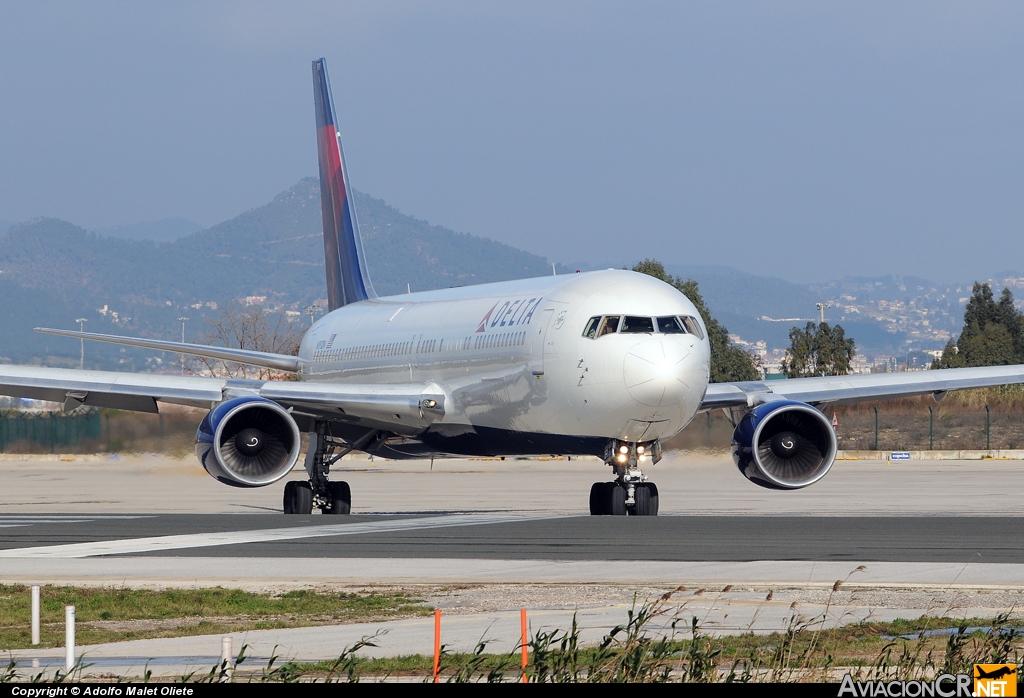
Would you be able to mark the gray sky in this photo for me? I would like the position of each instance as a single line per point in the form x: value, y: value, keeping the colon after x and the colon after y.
x: 802, y: 140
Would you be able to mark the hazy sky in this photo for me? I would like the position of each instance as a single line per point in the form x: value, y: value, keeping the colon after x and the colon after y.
x: 802, y: 140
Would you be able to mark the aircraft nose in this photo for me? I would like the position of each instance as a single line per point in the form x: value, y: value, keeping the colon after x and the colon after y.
x: 654, y: 371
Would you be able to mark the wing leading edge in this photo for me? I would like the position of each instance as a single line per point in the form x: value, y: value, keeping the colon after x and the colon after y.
x: 402, y: 408
x: 279, y: 362
x: 858, y: 388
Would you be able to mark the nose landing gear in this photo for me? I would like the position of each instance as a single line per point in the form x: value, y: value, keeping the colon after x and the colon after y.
x: 631, y: 493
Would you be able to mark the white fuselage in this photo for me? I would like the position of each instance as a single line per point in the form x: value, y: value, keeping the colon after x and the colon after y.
x: 512, y: 357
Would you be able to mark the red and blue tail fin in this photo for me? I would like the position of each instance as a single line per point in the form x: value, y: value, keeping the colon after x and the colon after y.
x: 347, y: 280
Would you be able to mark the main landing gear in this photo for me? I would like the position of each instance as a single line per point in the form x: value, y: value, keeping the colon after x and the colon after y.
x: 329, y: 497
x: 630, y: 494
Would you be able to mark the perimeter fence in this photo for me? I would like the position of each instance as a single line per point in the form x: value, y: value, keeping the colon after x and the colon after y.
x: 91, y: 430
x: 48, y: 429
x: 887, y: 428
x: 903, y: 426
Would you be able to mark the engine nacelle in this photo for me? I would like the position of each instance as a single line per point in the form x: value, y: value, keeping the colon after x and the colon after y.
x: 784, y: 445
x: 248, y: 442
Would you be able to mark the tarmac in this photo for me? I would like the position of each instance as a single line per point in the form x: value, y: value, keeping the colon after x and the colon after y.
x: 943, y: 523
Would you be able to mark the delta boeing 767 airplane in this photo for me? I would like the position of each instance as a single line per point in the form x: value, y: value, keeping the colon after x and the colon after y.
x: 607, y: 363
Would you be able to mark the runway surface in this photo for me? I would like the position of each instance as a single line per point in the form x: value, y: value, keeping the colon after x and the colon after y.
x: 482, y: 539
x: 933, y: 539
x: 689, y: 483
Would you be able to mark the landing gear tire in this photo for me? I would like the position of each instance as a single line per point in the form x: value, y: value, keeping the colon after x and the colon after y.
x: 645, y: 498
x: 340, y: 499
x: 598, y: 499
x: 298, y: 498
x: 616, y: 499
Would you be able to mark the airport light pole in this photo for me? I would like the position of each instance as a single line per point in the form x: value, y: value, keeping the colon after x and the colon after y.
x: 822, y: 307
x: 81, y: 341
x: 182, y: 320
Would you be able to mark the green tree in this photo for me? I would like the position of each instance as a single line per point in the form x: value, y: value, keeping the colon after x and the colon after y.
x: 729, y: 363
x: 818, y: 350
x: 993, y: 332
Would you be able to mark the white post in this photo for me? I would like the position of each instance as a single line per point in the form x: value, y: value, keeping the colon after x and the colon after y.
x: 35, y: 615
x: 226, y: 657
x: 69, y: 638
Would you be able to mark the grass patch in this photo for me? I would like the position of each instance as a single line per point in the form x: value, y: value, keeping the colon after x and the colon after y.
x: 113, y: 615
x: 628, y: 653
x: 659, y: 640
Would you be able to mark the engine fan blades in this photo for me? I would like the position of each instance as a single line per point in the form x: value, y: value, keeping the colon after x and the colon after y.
x: 255, y: 442
x: 792, y: 446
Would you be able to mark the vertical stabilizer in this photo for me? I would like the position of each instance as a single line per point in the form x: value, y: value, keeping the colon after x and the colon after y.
x: 347, y: 280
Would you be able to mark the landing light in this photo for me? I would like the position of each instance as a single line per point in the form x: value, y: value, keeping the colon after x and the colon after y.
x: 639, y: 449
x: 622, y: 459
x: 623, y: 449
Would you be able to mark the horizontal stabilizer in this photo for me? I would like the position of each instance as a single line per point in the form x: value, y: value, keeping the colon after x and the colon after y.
x: 278, y: 362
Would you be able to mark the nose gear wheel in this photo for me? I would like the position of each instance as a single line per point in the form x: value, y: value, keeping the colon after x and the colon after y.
x: 631, y: 494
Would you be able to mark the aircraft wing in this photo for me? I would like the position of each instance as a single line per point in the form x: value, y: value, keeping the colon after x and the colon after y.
x: 404, y: 407
x: 859, y: 387
x: 280, y: 362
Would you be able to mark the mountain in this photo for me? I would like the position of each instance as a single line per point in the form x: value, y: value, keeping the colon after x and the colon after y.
x: 767, y: 308
x: 53, y: 272
x: 164, y: 230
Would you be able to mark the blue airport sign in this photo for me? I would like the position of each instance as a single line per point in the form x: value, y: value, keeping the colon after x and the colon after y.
x: 899, y: 455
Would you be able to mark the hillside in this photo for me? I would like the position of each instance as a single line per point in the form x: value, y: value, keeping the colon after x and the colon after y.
x: 52, y: 271
x: 764, y: 308
x: 275, y: 250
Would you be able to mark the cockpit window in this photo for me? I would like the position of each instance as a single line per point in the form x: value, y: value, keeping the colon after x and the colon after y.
x: 609, y: 326
x: 637, y: 325
x: 692, y: 326
x: 670, y: 325
x: 591, y: 331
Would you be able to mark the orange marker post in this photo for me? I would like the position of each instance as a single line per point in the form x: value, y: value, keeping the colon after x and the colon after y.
x: 437, y: 643
x: 526, y: 650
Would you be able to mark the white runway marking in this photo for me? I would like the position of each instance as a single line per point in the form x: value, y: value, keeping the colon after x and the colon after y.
x: 15, y: 521
x: 207, y: 540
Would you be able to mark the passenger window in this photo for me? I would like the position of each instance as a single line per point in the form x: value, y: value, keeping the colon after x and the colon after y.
x: 610, y: 325
x: 692, y: 326
x: 591, y: 331
x: 637, y: 325
x: 670, y: 325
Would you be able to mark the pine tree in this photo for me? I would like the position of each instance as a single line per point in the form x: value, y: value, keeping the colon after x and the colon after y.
x: 818, y: 350
x: 993, y: 332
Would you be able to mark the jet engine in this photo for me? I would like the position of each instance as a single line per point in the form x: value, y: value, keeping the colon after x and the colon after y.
x: 248, y: 442
x: 784, y: 445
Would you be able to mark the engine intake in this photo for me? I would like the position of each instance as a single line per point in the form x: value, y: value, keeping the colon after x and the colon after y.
x: 784, y: 445
x: 248, y: 442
